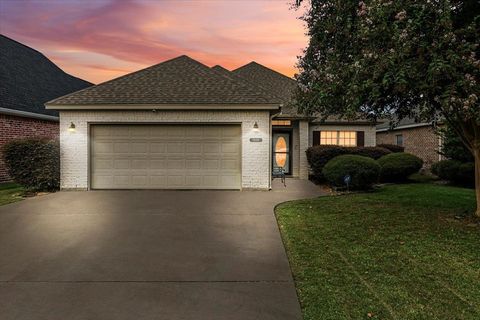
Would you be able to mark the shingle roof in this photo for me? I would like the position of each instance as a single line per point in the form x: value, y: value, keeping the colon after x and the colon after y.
x: 181, y: 80
x: 406, y: 122
x: 273, y: 81
x: 28, y: 79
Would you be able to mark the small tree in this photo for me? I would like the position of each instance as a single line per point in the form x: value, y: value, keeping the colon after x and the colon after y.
x: 395, y: 59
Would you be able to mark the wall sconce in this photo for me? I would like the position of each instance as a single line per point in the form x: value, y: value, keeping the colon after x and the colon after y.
x: 72, y: 127
x: 255, y: 126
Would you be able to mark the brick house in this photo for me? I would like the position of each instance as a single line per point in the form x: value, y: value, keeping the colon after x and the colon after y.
x: 420, y: 139
x: 183, y: 125
x: 27, y: 80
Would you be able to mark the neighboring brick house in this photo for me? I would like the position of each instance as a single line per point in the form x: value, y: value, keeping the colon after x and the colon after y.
x: 28, y: 80
x: 183, y: 125
x: 420, y: 139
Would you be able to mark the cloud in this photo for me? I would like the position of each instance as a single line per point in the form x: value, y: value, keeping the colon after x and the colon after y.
x: 140, y: 33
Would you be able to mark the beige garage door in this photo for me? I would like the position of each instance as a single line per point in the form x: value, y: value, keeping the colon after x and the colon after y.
x: 165, y: 156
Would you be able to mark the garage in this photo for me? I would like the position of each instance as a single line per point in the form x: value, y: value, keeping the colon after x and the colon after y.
x: 165, y: 156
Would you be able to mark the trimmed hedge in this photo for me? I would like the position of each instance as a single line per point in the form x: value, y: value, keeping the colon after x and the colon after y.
x: 397, y: 167
x: 319, y: 156
x: 392, y: 147
x: 446, y: 169
x: 363, y: 171
x: 33, y: 163
x: 370, y: 152
x: 455, y: 171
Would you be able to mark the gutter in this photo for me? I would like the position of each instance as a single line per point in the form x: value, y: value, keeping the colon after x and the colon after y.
x: 25, y: 114
x: 408, y: 126
x: 227, y: 107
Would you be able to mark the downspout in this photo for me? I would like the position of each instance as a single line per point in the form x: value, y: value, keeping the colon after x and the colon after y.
x: 271, y: 146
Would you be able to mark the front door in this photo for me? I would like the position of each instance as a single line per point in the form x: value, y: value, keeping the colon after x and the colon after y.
x: 281, y: 151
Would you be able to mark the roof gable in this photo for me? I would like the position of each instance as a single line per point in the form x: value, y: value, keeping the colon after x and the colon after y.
x: 181, y: 80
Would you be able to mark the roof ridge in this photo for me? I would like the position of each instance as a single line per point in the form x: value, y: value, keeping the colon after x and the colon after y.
x: 125, y: 75
x: 254, y: 63
x: 172, y: 81
x: 262, y: 89
x: 43, y: 55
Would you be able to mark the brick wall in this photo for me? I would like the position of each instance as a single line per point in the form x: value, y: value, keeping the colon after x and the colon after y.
x: 420, y: 141
x: 13, y: 127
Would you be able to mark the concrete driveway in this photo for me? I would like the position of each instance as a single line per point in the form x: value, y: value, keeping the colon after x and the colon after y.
x: 147, y: 255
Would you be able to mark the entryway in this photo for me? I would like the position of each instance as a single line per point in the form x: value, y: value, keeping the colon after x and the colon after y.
x: 281, y: 153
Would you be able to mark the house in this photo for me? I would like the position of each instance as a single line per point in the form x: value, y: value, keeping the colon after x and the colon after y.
x: 183, y: 125
x: 420, y: 139
x: 28, y: 80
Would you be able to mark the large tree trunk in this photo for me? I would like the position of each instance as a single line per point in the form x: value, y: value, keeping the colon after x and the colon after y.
x: 476, y: 153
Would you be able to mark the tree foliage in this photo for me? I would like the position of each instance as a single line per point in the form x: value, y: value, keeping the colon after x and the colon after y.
x: 452, y: 146
x: 385, y: 59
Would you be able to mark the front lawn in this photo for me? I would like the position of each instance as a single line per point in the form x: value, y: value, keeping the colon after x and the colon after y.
x: 402, y: 252
x: 10, y: 192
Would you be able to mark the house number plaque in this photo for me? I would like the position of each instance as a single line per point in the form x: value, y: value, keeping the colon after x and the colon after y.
x: 255, y: 139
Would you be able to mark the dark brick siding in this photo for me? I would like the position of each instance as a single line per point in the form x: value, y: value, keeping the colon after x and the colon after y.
x: 420, y: 141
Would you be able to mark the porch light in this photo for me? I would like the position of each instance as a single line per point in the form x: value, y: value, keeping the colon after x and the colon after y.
x: 255, y: 126
x: 72, y: 127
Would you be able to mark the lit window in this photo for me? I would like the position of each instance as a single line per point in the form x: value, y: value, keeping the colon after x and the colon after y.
x: 281, y: 123
x: 399, y: 140
x: 339, y: 138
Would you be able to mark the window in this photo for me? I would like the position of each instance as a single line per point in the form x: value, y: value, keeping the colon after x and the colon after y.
x: 281, y: 123
x: 340, y: 138
x: 399, y: 140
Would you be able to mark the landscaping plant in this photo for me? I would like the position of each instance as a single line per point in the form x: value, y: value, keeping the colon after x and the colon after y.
x: 363, y: 171
x: 395, y: 59
x: 392, y: 147
x: 318, y: 156
x: 397, y: 167
x: 34, y: 163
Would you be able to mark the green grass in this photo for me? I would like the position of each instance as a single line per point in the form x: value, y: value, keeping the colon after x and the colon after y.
x: 396, y: 253
x: 10, y: 192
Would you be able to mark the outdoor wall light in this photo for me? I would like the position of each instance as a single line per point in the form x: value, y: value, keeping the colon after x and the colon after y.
x: 255, y: 126
x: 72, y: 127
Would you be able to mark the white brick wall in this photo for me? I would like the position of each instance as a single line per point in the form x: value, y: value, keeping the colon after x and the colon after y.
x: 370, y: 132
x: 75, y: 153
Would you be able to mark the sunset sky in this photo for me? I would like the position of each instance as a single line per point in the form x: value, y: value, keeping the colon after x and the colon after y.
x: 98, y: 40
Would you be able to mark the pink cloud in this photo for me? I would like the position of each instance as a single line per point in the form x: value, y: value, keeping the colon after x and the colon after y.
x: 142, y: 33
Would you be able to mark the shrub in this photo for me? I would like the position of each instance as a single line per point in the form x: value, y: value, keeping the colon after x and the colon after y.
x: 318, y: 156
x: 363, y: 171
x: 34, y: 163
x: 397, y: 167
x: 392, y: 147
x: 466, y: 174
x: 446, y: 169
x: 370, y: 152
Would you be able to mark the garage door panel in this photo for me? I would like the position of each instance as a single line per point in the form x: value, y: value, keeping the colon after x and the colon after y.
x: 165, y: 156
x: 211, y: 147
x: 158, y: 164
x: 157, y: 147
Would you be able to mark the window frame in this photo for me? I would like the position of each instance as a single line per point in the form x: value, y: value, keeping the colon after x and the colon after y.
x: 334, y: 137
x: 401, y: 138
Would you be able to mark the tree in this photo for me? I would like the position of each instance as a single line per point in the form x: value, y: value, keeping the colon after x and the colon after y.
x: 452, y: 146
x: 394, y: 59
